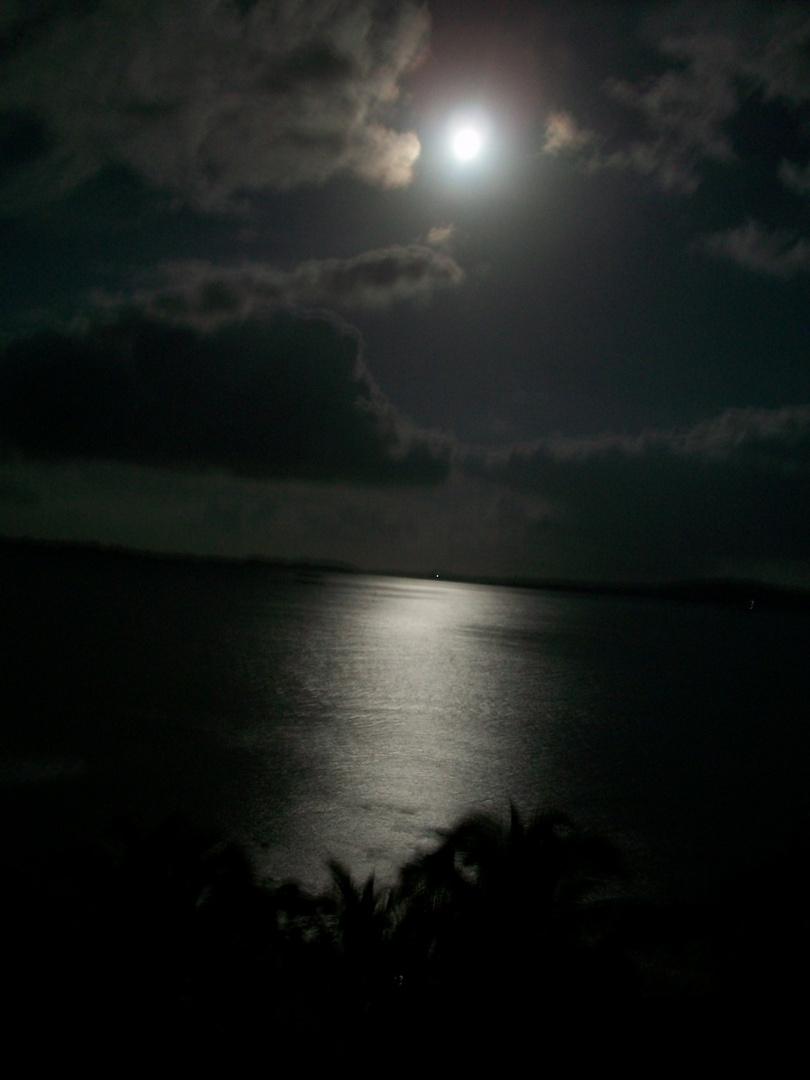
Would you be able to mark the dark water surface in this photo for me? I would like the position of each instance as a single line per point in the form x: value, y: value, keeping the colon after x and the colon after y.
x: 350, y: 716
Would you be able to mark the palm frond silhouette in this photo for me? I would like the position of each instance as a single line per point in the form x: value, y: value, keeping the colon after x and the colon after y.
x: 501, y: 902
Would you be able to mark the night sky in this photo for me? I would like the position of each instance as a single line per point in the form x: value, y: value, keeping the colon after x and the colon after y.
x: 253, y: 303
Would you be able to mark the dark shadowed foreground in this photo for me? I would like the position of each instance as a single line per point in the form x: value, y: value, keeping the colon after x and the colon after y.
x: 512, y: 944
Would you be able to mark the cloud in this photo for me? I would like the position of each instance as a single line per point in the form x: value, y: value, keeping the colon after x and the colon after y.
x: 685, y: 122
x: 562, y: 135
x: 762, y: 46
x: 722, y: 496
x: 208, y: 295
x: 286, y: 399
x: 772, y: 440
x: 795, y: 177
x: 209, y: 101
x: 721, y: 55
x: 672, y: 168
x: 732, y: 488
x: 440, y: 235
x: 16, y: 493
x: 755, y: 247
x: 460, y: 526
x: 686, y: 110
x: 659, y: 158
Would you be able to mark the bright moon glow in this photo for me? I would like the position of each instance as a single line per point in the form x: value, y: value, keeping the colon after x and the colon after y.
x: 466, y: 144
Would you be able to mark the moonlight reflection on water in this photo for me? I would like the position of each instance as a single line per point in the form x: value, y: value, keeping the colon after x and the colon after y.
x: 349, y: 716
x: 421, y: 713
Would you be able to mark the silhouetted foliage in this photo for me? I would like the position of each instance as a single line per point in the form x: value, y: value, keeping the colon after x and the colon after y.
x: 510, y: 939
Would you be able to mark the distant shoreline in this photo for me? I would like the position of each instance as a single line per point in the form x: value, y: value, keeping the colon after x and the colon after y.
x: 728, y: 592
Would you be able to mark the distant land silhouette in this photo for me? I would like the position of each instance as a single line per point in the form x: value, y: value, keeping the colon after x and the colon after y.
x: 739, y: 593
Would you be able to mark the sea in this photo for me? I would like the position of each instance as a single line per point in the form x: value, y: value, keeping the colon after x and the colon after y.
x: 314, y: 715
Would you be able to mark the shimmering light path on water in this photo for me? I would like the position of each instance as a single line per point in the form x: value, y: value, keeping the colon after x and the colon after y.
x: 317, y: 716
x: 405, y: 704
x: 400, y: 705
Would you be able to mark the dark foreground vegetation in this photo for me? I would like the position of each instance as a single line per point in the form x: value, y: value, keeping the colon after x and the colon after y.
x: 512, y: 946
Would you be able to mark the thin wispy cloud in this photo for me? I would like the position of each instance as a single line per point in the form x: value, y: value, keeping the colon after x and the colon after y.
x: 795, y: 177
x: 207, y: 295
x: 722, y: 55
x: 755, y: 247
x: 562, y: 135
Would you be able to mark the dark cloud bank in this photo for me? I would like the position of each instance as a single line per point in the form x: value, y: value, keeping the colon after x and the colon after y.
x: 288, y: 398
x: 732, y: 489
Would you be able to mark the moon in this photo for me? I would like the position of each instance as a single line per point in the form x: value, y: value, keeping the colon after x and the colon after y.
x: 466, y: 143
